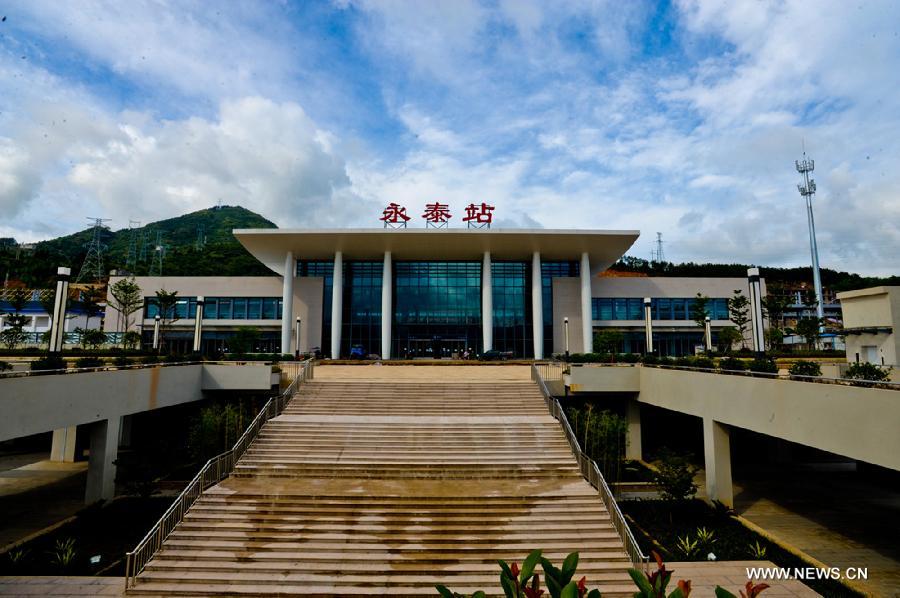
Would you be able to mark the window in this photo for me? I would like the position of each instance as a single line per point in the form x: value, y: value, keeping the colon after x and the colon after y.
x: 254, y: 309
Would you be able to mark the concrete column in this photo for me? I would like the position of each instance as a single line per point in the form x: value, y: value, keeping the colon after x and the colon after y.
x: 587, y: 329
x: 537, y: 306
x: 287, y: 301
x: 717, y: 457
x: 707, y: 334
x: 337, y: 307
x: 648, y: 324
x: 58, y: 317
x: 63, y: 447
x: 487, y: 304
x: 756, y: 318
x: 633, y: 446
x: 387, y: 305
x: 156, y: 333
x: 101, y: 476
x: 198, y: 324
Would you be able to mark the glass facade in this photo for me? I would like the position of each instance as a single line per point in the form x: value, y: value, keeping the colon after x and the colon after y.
x: 511, y: 298
x: 220, y: 308
x: 361, y: 315
x: 632, y: 308
x: 323, y: 269
x: 437, y: 309
x: 549, y: 271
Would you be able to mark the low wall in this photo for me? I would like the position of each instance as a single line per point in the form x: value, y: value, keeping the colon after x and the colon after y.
x: 857, y: 422
x: 35, y: 404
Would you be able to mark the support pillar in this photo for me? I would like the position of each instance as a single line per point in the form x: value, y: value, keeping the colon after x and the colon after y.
x: 487, y: 304
x: 717, y: 457
x: 707, y: 334
x: 648, y: 325
x: 101, y: 476
x: 198, y: 324
x: 63, y: 447
x: 297, y: 334
x: 58, y: 318
x: 156, y: 333
x: 287, y: 301
x: 387, y: 304
x: 337, y: 307
x: 756, y: 318
x: 537, y: 306
x: 587, y: 328
x: 633, y: 447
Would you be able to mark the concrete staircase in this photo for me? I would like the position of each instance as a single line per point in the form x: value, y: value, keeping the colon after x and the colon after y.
x: 368, y: 487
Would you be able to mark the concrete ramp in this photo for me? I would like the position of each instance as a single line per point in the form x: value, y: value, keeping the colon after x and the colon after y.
x: 389, y: 486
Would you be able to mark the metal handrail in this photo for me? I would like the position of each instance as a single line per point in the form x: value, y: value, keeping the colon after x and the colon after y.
x: 214, y: 471
x: 133, y: 366
x: 592, y: 474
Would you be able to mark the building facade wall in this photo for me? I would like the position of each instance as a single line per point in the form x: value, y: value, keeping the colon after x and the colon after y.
x: 871, y: 319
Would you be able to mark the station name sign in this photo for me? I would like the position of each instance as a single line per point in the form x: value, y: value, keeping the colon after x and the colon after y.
x: 437, y: 215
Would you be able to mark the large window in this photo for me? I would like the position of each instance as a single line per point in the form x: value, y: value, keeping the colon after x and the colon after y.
x: 632, y: 308
x: 220, y: 308
x: 323, y: 269
x: 512, y: 307
x: 361, y: 319
x: 437, y: 308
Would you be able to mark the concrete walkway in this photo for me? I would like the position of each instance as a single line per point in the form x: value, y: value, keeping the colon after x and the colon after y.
x: 833, y: 516
x: 36, y: 495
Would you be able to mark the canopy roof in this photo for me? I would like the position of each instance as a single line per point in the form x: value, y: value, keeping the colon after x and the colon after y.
x: 270, y: 246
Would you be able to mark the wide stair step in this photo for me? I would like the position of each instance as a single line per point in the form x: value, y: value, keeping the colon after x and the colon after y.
x: 365, y: 488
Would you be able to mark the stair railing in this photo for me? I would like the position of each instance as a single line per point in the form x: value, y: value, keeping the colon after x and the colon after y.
x: 214, y: 471
x: 592, y: 474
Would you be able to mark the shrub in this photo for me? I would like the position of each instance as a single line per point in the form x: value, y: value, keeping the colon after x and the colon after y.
x: 683, y: 361
x: 868, y: 372
x: 732, y: 364
x: 805, y: 368
x: 650, y: 359
x: 50, y: 362
x: 675, y: 477
x: 628, y: 357
x: 174, y: 358
x: 150, y: 359
x: 121, y: 360
x: 89, y: 361
x: 5, y: 365
x: 703, y: 363
x: 763, y: 365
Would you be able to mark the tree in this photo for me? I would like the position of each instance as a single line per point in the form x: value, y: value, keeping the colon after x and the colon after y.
x: 92, y: 338
x: 243, y: 339
x: 89, y: 302
x: 126, y: 299
x: 774, y: 337
x: 700, y: 310
x: 14, y: 333
x: 607, y: 340
x: 727, y: 337
x: 131, y: 339
x: 165, y: 303
x: 739, y: 313
x: 808, y: 328
x: 774, y: 305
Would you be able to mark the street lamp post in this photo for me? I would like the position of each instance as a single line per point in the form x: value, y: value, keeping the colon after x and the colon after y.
x: 297, y: 331
x: 566, y: 326
x: 707, y: 329
x: 648, y: 324
x: 156, y: 333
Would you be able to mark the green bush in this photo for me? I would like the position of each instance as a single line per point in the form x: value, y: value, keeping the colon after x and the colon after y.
x: 732, y: 364
x: 868, y: 372
x: 150, y: 359
x: 121, y: 360
x: 805, y: 368
x: 675, y: 476
x: 5, y: 365
x: 90, y: 361
x: 49, y: 362
x: 763, y: 365
x: 703, y: 363
x: 650, y: 359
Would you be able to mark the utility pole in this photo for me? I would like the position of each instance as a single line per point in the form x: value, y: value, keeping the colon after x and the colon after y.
x: 92, y: 267
x: 131, y: 257
x: 156, y: 268
x: 657, y: 255
x: 808, y: 189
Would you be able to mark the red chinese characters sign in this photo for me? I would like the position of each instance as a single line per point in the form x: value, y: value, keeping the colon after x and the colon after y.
x: 437, y: 215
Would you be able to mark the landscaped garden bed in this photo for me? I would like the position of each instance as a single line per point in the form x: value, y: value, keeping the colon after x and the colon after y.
x: 105, y: 531
x: 692, y: 531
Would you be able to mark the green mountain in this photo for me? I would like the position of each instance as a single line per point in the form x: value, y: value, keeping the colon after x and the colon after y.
x: 195, y: 244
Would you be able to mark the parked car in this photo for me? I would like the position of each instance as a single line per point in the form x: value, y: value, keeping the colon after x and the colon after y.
x: 495, y: 355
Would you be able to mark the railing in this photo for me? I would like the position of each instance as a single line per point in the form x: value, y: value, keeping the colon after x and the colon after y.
x: 140, y: 366
x: 551, y: 371
x: 216, y: 469
x: 592, y: 474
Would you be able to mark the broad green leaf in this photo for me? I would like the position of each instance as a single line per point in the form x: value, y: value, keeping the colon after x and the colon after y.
x: 723, y: 593
x: 676, y: 593
x: 508, y: 588
x: 505, y: 569
x: 478, y: 594
x: 569, y: 565
x: 642, y: 582
x: 528, y: 566
x: 570, y: 591
x: 443, y: 591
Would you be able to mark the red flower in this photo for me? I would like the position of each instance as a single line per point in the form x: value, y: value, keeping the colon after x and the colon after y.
x: 659, y: 573
x: 753, y: 590
x: 685, y: 587
x: 582, y: 586
x: 535, y: 590
x: 515, y: 570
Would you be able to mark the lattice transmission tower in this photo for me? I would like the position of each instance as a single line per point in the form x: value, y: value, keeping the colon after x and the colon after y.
x: 133, y: 234
x: 657, y: 255
x: 92, y: 267
x: 159, y: 254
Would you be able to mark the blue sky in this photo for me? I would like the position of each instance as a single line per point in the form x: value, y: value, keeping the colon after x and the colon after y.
x: 682, y: 117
